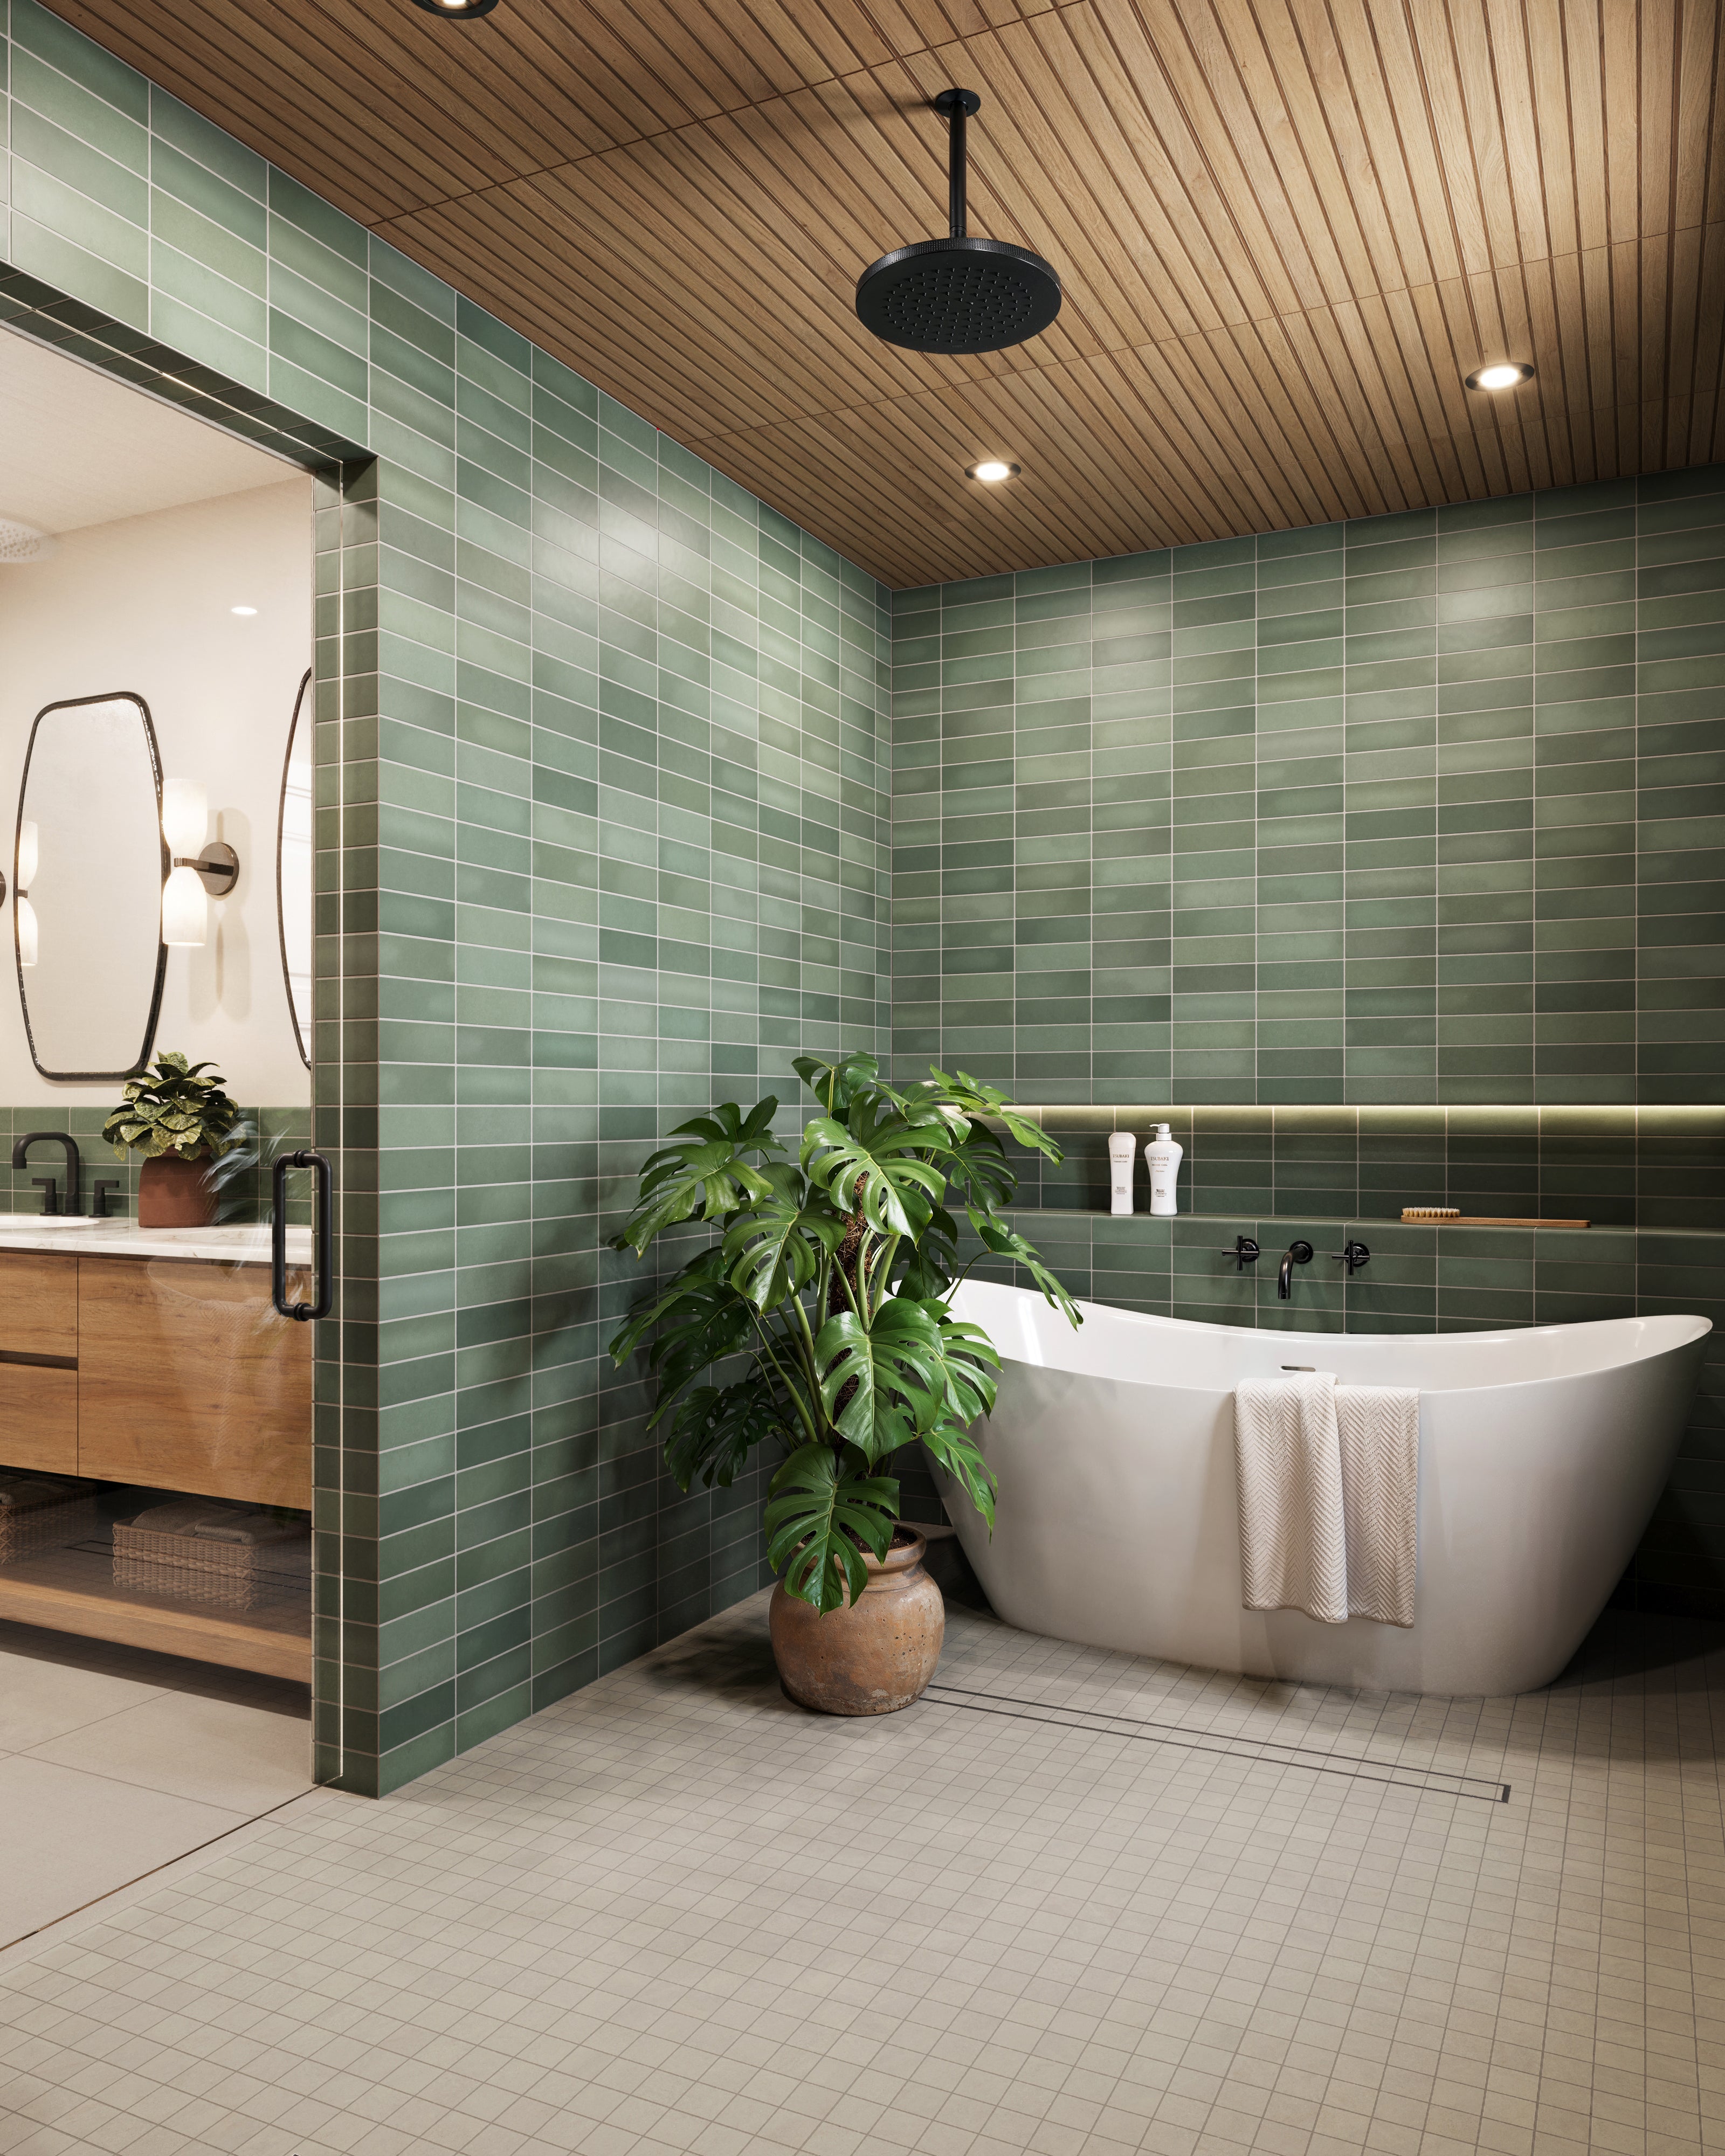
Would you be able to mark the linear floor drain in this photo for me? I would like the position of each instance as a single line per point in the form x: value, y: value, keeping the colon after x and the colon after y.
x: 1434, y: 1781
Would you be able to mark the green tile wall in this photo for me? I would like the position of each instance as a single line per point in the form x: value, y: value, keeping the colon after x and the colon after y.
x: 1421, y: 809
x: 602, y: 748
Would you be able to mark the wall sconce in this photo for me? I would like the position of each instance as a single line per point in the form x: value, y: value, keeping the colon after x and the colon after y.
x: 28, y: 851
x: 195, y: 869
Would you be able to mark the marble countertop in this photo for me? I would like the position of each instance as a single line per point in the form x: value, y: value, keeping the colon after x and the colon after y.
x: 244, y: 1246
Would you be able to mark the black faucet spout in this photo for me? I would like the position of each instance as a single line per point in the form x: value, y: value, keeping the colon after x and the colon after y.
x: 1296, y: 1254
x: 20, y: 1154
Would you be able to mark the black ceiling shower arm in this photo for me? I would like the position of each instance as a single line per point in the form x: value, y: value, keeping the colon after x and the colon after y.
x: 957, y: 105
x: 959, y: 294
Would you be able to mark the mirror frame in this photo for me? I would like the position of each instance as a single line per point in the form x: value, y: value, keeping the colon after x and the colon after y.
x: 300, y: 1039
x: 69, y: 704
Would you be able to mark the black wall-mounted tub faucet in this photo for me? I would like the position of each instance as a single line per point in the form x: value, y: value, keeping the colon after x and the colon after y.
x: 1296, y: 1254
x: 20, y: 1153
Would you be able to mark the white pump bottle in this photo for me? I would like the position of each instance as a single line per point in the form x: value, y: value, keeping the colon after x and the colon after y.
x: 1163, y: 1156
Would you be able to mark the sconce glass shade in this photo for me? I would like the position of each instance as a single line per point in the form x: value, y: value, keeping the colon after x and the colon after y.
x: 185, y: 910
x: 28, y: 851
x: 185, y: 818
x: 26, y: 933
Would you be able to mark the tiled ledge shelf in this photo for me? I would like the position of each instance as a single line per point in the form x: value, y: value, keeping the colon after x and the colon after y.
x: 1647, y: 1167
x: 1420, y: 1279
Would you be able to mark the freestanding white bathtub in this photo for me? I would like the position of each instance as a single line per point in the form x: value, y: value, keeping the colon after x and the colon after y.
x: 1542, y: 1455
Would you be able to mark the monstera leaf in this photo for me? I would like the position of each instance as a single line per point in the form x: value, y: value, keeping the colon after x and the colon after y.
x: 774, y: 1249
x: 882, y: 1384
x: 703, y: 1320
x: 875, y: 1165
x: 1001, y: 1241
x: 952, y: 1447
x: 706, y: 1173
x: 834, y: 1084
x: 931, y: 1268
x: 821, y: 1515
x: 970, y: 1362
x: 965, y: 1093
x: 715, y: 1428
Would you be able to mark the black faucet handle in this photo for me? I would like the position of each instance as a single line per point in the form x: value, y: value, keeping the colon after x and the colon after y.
x: 1245, y: 1252
x: 51, y: 1200
x: 99, y: 1208
x: 1353, y: 1255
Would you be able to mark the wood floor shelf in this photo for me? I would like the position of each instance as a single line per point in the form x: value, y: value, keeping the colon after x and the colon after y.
x: 73, y: 1591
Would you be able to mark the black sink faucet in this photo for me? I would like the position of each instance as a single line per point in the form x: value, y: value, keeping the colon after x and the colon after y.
x: 1296, y: 1254
x: 50, y: 1202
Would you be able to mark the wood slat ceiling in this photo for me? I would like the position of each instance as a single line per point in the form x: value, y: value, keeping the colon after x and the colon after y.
x: 1285, y: 228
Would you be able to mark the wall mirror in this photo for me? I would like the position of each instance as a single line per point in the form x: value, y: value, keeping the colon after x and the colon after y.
x: 88, y: 864
x: 293, y: 869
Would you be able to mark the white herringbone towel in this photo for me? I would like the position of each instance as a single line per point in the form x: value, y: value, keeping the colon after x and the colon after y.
x: 1293, y: 1539
x: 1378, y: 1427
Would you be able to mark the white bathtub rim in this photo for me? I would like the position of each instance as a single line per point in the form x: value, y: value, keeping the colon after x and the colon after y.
x: 1666, y: 1341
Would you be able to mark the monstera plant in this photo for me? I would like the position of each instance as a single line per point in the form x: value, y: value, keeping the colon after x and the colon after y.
x: 817, y: 1315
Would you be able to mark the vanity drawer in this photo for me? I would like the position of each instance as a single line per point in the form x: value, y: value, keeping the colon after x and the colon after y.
x: 39, y: 1418
x: 189, y: 1380
x: 39, y: 1303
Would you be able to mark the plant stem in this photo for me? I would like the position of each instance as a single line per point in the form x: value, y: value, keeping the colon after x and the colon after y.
x: 801, y: 1405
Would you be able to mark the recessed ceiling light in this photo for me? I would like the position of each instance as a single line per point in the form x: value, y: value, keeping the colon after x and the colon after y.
x: 242, y: 609
x: 991, y: 471
x: 1503, y: 374
x: 460, y: 11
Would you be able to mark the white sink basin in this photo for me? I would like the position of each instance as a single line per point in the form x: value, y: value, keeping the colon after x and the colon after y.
x: 39, y: 1224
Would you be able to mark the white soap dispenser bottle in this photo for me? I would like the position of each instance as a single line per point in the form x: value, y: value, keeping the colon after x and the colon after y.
x: 1162, y: 1157
x: 1123, y: 1145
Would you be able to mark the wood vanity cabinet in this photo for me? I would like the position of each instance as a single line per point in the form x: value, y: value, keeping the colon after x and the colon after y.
x: 188, y: 1379
x: 176, y: 1374
x: 173, y: 1372
x: 39, y: 1353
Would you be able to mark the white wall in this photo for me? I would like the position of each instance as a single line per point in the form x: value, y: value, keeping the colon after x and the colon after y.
x: 144, y: 604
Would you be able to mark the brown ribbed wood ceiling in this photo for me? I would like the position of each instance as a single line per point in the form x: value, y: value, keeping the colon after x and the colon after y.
x: 1286, y: 229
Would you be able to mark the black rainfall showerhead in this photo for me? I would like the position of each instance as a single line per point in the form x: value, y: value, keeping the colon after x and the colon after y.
x: 957, y: 295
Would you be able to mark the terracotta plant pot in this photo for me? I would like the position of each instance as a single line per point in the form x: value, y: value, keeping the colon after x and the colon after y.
x: 871, y: 1658
x: 175, y: 1194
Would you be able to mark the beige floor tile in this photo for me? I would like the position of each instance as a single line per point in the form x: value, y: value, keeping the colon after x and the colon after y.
x: 67, y: 1838
x: 1197, y: 1915
x: 240, y: 1758
x: 39, y: 1701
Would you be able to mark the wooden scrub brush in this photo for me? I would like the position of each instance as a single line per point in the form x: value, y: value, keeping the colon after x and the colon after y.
x: 1452, y: 1216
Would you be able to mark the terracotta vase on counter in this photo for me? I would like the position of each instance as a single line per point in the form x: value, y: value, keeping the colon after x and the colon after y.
x: 176, y: 1193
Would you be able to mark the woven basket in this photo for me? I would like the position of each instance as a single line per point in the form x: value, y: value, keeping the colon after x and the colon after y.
x: 29, y: 1527
x: 238, y: 1575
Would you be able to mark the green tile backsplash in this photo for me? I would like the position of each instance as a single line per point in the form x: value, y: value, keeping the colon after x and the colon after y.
x: 245, y: 1194
x: 1422, y: 810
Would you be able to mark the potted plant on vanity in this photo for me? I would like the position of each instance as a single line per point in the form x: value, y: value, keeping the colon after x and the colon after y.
x: 184, y: 1125
x: 819, y: 1317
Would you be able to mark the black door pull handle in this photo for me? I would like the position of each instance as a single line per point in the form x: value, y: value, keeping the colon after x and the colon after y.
x: 324, y: 1238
